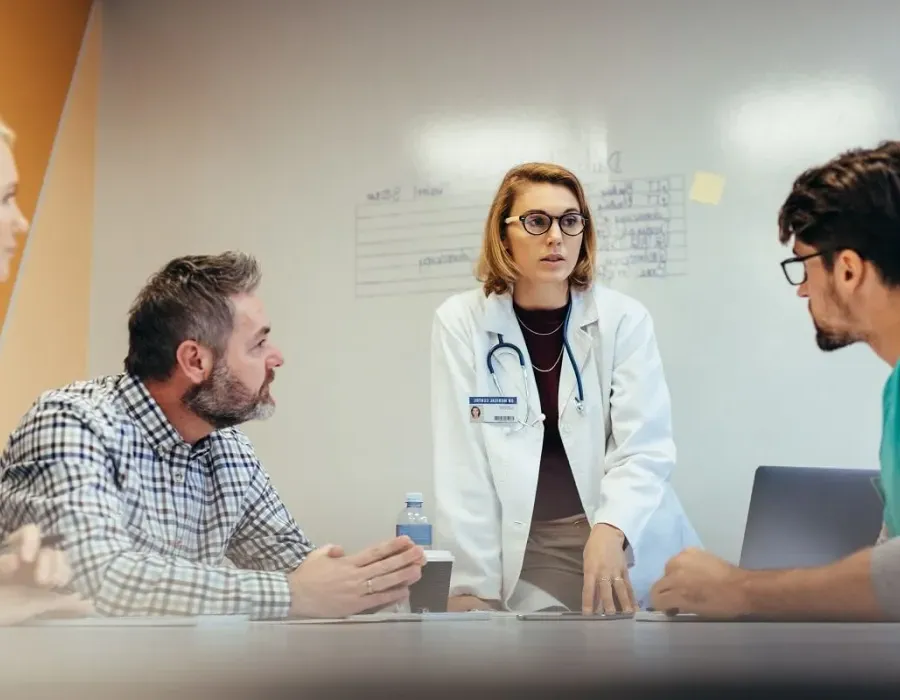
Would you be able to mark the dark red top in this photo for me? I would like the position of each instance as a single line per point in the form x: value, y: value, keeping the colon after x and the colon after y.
x: 557, y: 495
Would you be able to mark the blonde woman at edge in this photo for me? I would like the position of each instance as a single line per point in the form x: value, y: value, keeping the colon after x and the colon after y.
x: 557, y: 495
x: 29, y: 573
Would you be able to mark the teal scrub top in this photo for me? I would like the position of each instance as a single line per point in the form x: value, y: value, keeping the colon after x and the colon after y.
x: 890, y: 452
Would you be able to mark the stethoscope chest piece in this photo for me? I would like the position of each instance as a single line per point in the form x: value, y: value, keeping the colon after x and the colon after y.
x: 520, y: 356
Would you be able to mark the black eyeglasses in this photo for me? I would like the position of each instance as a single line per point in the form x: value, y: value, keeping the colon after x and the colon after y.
x: 795, y: 268
x: 539, y: 222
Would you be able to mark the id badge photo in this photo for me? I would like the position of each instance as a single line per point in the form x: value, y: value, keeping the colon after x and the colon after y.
x: 492, y: 409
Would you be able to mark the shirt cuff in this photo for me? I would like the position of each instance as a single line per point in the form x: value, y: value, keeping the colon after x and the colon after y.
x: 266, y: 594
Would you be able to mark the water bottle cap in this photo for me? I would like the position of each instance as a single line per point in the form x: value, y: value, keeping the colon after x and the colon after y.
x: 414, y: 497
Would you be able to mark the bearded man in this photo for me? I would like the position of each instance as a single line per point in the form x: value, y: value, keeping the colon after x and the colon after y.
x: 153, y: 487
x: 843, y: 219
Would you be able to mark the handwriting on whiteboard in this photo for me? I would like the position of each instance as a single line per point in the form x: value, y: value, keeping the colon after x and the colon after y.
x: 417, y: 239
x: 641, y: 231
x: 424, y: 238
x: 397, y: 194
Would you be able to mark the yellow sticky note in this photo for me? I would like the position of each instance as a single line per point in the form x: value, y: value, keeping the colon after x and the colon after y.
x: 707, y: 188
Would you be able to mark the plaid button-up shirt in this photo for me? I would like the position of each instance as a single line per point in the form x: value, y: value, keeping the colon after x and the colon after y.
x: 148, y: 519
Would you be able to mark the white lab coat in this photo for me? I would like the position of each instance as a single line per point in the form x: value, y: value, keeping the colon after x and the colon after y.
x: 621, y: 449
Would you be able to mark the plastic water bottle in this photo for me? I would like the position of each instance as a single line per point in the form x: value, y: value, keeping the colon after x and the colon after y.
x: 413, y: 522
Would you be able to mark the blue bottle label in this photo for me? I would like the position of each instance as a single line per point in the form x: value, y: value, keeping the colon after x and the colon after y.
x: 419, y: 533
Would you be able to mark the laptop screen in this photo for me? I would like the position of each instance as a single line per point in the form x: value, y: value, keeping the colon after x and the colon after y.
x: 810, y: 516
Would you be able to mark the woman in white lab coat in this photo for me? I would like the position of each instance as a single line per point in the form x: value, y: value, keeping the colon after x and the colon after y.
x: 555, y: 493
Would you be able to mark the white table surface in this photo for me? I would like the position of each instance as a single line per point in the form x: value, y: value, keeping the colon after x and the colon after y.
x: 460, y: 659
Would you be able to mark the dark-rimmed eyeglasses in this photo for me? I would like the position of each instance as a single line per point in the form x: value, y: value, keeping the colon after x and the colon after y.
x: 795, y: 268
x: 539, y: 222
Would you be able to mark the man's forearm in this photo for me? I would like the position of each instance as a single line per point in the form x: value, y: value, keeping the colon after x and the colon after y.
x: 840, y: 591
x: 886, y: 577
x: 141, y: 584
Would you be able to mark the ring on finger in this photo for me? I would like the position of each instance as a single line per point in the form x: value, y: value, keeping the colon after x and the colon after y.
x: 369, y: 586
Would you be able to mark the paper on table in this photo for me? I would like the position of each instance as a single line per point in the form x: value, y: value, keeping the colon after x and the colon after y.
x: 393, y: 617
x: 463, y: 616
x: 98, y: 621
x: 362, y: 619
x: 139, y: 621
x: 660, y: 616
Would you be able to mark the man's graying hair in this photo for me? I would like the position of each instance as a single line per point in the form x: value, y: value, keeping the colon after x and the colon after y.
x: 188, y: 299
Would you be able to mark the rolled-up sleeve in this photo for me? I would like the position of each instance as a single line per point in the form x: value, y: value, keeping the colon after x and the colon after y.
x: 885, y: 570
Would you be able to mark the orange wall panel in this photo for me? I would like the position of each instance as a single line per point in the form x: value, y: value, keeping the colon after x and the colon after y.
x: 39, y: 44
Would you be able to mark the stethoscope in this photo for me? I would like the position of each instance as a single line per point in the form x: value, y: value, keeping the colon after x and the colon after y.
x: 503, y: 345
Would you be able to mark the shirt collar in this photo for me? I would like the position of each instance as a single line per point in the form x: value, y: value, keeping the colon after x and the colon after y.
x: 143, y: 409
x: 499, y: 316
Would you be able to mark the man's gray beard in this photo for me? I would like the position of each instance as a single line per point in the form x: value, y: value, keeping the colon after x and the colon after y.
x: 223, y: 401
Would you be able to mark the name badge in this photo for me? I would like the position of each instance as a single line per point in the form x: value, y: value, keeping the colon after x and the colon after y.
x: 492, y: 409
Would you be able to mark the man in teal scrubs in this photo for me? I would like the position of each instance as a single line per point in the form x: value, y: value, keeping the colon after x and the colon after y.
x: 844, y: 220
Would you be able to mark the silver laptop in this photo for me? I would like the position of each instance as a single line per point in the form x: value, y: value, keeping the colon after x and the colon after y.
x: 810, y: 516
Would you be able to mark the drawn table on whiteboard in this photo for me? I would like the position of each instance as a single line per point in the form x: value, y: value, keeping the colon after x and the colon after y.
x: 419, y: 240
x: 643, y: 229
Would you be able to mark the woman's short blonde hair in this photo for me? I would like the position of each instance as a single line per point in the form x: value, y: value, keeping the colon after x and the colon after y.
x: 496, y: 269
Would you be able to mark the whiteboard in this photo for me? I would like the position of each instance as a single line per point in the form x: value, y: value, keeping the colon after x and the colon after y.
x: 354, y: 147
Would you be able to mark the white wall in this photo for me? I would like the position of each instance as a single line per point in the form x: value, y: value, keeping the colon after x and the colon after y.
x: 262, y: 125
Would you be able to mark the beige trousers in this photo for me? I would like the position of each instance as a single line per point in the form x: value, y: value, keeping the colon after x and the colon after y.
x: 554, y: 558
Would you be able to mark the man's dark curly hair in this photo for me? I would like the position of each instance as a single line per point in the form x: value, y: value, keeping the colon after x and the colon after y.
x: 852, y: 202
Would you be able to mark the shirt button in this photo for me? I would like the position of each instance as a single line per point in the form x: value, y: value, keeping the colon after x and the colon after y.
x: 178, y: 475
x: 565, y: 428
